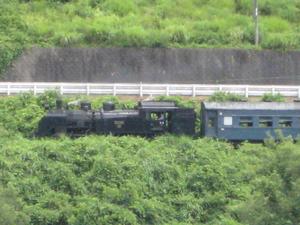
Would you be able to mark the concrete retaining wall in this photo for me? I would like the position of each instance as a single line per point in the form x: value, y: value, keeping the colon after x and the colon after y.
x: 202, y: 66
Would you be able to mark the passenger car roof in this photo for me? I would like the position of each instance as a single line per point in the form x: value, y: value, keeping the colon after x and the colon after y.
x: 252, y: 105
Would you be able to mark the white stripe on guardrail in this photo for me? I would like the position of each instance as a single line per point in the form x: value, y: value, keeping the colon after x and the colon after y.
x: 143, y: 89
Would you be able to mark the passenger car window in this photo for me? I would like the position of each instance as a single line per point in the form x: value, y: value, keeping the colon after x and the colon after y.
x: 246, y: 122
x: 265, y: 122
x: 228, y: 121
x: 285, y: 122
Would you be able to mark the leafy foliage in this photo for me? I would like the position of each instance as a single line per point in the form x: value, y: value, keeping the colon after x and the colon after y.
x: 132, y: 180
x: 269, y: 97
x: 226, y: 97
x: 11, y: 208
x: 168, y: 180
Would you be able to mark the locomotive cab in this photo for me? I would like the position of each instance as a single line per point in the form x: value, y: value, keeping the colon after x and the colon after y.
x: 159, y: 120
x: 164, y: 117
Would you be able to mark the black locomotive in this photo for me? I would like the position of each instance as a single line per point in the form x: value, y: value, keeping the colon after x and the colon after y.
x: 148, y: 119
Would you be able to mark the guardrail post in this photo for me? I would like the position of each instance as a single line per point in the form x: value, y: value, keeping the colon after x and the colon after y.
x: 273, y: 90
x: 298, y: 92
x: 220, y: 87
x: 8, y: 89
x: 114, y: 90
x: 141, y: 89
x: 61, y: 89
x: 34, y: 89
x: 194, y: 91
x: 87, y: 89
x: 247, y: 91
x: 167, y: 90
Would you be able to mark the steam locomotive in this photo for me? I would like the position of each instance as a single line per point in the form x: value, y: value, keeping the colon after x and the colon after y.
x: 234, y: 121
x: 148, y: 119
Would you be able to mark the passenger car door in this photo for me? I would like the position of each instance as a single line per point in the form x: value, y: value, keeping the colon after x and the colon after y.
x: 211, y: 125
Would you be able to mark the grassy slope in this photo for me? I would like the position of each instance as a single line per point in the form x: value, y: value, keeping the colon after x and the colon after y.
x: 155, y: 23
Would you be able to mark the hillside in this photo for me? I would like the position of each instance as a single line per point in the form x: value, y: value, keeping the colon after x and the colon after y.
x: 144, y: 23
x: 131, y: 180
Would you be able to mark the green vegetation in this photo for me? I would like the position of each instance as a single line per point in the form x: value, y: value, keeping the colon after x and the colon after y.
x: 131, y: 180
x: 226, y: 97
x: 168, y: 180
x: 11, y: 208
x: 144, y: 23
x: 22, y: 113
x: 269, y: 97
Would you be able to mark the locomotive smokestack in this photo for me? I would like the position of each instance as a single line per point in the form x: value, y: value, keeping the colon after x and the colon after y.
x: 59, y: 104
x: 108, y: 106
x: 85, y: 106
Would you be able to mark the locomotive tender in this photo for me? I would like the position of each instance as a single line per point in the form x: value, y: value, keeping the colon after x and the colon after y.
x: 233, y: 121
x: 148, y: 119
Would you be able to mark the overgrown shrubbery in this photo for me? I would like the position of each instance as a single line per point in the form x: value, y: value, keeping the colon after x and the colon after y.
x: 226, y: 97
x: 269, y: 97
x: 132, y: 180
x: 11, y: 208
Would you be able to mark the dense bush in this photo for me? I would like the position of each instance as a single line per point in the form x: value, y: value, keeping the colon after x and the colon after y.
x: 11, y: 208
x: 21, y: 114
x: 132, y: 180
x: 168, y: 180
x: 132, y: 23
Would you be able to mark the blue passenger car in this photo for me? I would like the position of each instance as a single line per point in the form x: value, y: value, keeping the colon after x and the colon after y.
x: 239, y: 121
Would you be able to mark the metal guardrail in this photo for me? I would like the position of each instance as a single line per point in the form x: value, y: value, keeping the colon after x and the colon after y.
x: 142, y: 89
